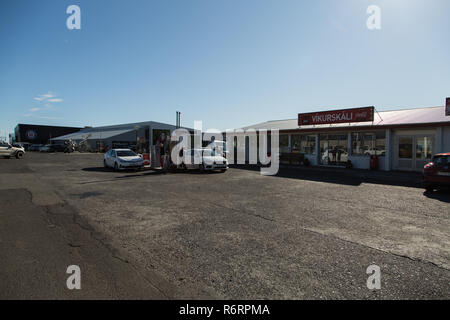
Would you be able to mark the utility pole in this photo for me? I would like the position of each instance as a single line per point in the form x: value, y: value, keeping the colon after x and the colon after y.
x: 178, y: 120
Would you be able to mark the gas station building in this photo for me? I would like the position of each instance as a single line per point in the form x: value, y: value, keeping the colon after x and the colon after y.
x: 400, y: 139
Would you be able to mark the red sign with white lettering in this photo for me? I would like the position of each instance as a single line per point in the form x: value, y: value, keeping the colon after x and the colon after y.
x: 336, y: 116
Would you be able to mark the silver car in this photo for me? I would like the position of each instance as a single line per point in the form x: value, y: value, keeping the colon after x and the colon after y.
x: 122, y: 159
x: 7, y: 151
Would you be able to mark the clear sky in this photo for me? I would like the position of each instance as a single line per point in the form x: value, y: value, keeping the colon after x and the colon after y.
x: 229, y: 63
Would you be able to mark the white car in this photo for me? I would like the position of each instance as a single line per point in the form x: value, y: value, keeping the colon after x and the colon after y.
x: 375, y: 152
x: 203, y: 159
x: 122, y: 159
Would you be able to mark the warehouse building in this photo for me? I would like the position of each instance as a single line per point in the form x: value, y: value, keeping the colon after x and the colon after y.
x: 142, y: 137
x: 39, y: 134
x: 131, y: 135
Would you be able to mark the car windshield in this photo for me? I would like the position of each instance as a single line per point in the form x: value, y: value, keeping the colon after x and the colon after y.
x: 125, y: 153
x: 441, y: 160
x: 209, y: 152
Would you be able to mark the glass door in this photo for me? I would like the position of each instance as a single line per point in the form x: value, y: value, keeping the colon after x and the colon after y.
x: 405, y: 152
x: 424, y: 151
x: 414, y: 152
x: 333, y: 149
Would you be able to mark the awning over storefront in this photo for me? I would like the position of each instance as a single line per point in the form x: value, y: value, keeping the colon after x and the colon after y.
x: 92, y: 135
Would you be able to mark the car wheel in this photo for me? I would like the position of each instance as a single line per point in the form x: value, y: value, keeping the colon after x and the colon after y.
x: 104, y: 164
x: 19, y: 155
x: 116, y: 167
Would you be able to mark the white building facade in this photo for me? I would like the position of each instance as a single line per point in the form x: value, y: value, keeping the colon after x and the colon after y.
x: 401, y: 139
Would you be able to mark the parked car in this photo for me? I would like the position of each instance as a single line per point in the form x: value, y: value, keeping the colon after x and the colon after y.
x: 34, y: 147
x: 7, y: 151
x: 375, y: 152
x: 436, y: 174
x: 25, y: 145
x: 203, y: 159
x: 58, y: 147
x: 46, y: 148
x: 121, y: 159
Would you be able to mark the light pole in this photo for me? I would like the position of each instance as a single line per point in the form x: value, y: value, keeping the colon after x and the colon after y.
x: 178, y: 119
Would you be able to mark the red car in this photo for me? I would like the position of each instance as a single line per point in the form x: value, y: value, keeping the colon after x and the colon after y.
x: 437, y: 173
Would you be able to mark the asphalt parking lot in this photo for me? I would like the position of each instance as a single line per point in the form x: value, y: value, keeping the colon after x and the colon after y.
x: 240, y: 235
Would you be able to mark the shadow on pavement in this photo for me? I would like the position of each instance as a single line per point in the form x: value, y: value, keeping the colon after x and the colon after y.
x: 99, y: 169
x: 441, y: 195
x: 352, y: 177
x: 109, y: 170
x: 126, y: 174
x: 145, y: 171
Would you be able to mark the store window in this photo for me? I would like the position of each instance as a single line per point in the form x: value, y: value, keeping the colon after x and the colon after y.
x: 303, y: 143
x: 284, y: 143
x: 333, y: 149
x: 296, y: 143
x: 309, y: 144
x: 124, y: 144
x: 369, y: 143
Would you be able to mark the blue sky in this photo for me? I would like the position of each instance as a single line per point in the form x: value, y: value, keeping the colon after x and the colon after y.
x: 229, y: 63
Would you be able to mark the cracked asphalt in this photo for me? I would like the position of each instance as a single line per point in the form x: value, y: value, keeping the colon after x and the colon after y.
x: 305, y: 234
